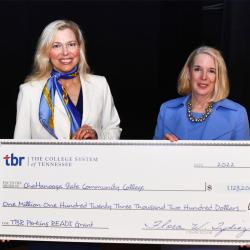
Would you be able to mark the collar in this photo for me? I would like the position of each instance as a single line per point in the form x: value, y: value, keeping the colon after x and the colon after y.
x: 182, y: 102
x: 226, y: 103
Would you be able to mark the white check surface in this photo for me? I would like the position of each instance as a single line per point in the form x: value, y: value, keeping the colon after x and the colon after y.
x: 190, y: 192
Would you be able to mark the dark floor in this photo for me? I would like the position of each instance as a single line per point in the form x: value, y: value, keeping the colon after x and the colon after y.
x: 19, y: 245
x: 13, y: 245
x: 22, y: 245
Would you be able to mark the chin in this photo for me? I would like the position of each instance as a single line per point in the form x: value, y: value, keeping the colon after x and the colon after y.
x: 64, y: 68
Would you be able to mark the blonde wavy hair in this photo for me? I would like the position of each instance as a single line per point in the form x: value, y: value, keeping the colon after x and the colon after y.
x: 221, y: 89
x: 42, y: 65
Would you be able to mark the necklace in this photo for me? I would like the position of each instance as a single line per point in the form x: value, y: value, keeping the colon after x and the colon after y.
x: 203, y: 117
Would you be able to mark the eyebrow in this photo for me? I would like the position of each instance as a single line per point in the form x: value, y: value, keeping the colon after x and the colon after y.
x: 201, y: 66
x: 73, y: 41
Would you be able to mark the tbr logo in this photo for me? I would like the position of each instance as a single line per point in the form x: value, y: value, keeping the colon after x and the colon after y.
x: 13, y: 160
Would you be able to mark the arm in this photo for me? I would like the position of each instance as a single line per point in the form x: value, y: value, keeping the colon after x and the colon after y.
x: 22, y: 127
x: 110, y: 121
x: 242, y: 126
x: 160, y: 131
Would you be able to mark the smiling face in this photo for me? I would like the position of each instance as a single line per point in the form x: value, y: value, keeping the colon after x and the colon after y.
x: 65, y: 52
x: 202, y: 76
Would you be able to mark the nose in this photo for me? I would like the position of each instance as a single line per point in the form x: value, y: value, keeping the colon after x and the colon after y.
x: 204, y: 75
x: 65, y: 49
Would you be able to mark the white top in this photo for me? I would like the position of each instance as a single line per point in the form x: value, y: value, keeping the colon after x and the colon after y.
x: 99, y: 111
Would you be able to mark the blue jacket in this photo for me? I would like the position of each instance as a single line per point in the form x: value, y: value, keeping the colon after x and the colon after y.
x: 228, y: 121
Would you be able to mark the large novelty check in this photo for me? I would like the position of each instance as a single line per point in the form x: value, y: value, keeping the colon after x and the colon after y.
x: 191, y: 192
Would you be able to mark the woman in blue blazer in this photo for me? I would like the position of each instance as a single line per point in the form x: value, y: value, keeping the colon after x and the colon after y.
x: 204, y: 113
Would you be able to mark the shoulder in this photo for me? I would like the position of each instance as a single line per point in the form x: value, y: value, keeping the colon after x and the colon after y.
x: 95, y: 79
x: 229, y: 105
x: 91, y: 77
x: 32, y: 85
x: 30, y: 92
x: 95, y: 83
x: 174, y: 103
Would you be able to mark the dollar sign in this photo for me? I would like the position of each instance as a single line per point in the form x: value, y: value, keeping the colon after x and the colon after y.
x: 209, y: 187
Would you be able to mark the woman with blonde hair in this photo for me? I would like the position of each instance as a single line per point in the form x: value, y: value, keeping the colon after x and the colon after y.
x: 204, y: 112
x: 60, y: 98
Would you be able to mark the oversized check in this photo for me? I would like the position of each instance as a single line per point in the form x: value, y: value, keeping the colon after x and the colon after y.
x: 190, y: 192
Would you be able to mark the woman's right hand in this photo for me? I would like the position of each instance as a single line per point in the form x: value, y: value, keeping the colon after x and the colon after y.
x: 171, y: 137
x: 84, y: 133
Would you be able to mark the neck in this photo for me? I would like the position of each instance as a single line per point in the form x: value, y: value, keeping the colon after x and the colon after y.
x: 199, y: 104
x: 68, y: 83
x: 72, y: 88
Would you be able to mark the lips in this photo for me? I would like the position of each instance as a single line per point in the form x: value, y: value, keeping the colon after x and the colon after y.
x: 202, y: 85
x: 65, y: 60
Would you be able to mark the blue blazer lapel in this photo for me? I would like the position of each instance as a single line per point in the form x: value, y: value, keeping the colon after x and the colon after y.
x: 178, y: 124
x: 217, y: 125
x: 177, y: 118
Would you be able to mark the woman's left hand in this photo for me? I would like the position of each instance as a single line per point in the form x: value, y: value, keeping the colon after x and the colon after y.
x: 84, y: 133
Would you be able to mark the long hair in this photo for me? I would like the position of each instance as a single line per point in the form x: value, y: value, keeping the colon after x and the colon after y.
x: 221, y: 89
x: 42, y: 66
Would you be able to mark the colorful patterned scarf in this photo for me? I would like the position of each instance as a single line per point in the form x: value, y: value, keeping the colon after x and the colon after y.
x: 47, y: 101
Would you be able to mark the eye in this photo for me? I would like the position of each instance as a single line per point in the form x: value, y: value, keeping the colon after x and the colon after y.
x: 56, y: 46
x: 72, y: 44
x: 196, y: 68
x: 212, y: 71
